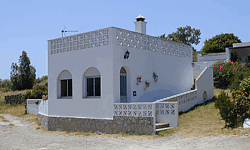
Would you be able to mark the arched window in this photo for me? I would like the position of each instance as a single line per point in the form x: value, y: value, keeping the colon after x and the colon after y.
x: 65, y: 84
x: 93, y: 83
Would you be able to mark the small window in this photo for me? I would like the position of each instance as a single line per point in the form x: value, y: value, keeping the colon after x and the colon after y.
x: 66, y: 88
x: 93, y: 87
x: 92, y: 83
x: 65, y: 85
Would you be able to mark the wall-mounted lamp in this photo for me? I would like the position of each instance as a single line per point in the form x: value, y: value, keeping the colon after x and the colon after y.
x: 126, y: 55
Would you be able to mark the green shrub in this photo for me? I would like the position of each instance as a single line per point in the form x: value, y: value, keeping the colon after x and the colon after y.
x: 226, y: 73
x: 227, y: 109
x: 234, y: 110
x: 25, y: 106
x: 238, y: 77
x: 242, y: 99
x: 27, y: 95
x: 37, y: 92
x: 39, y: 80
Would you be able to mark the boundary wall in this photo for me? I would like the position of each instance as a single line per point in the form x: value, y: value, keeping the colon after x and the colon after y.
x: 117, y: 124
x: 32, y: 107
x: 204, y: 90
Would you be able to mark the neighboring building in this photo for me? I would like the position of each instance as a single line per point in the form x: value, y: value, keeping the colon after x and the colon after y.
x: 206, y: 60
x: 239, y: 51
x: 107, y: 76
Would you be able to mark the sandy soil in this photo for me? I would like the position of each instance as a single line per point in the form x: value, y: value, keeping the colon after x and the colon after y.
x: 24, y: 136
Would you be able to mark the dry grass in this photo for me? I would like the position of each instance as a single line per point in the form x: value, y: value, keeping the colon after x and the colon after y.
x: 3, y: 94
x: 218, y: 91
x: 4, y: 120
x: 1, y: 117
x: 11, y: 124
x: 17, y: 110
x: 202, y: 121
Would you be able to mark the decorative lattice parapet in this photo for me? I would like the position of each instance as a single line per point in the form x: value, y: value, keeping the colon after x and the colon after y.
x: 181, y: 98
x: 150, y: 43
x: 81, y: 41
x: 133, y: 109
x: 166, y: 108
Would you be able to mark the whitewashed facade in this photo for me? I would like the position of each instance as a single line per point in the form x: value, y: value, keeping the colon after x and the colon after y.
x: 104, y: 50
x: 91, y: 76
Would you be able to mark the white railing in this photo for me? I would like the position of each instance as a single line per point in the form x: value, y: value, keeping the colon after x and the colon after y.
x: 186, y: 100
x: 134, y: 109
x: 182, y: 98
x: 162, y: 112
x: 43, y: 107
x: 166, y: 108
x: 141, y: 41
x: 167, y: 112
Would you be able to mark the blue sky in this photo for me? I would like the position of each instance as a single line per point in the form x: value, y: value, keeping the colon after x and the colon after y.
x: 28, y: 24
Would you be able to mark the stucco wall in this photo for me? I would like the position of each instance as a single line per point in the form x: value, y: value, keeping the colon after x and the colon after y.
x: 200, y: 66
x: 32, y: 107
x: 205, y: 83
x: 175, y: 76
x: 77, y: 62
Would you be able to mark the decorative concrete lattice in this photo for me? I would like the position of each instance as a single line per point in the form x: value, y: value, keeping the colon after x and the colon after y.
x: 182, y: 98
x: 79, y: 42
x: 129, y: 109
x: 145, y: 42
x: 187, y: 97
x: 166, y: 108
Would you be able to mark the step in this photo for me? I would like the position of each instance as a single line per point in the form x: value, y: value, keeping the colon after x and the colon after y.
x: 161, y: 125
x: 163, y: 129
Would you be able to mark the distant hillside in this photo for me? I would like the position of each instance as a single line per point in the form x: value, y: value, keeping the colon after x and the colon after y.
x: 40, y: 82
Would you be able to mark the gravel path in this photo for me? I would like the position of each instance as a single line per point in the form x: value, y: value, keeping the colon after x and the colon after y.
x: 24, y: 136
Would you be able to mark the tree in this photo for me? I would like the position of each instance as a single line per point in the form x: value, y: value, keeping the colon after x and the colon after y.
x: 32, y: 74
x: 218, y: 43
x: 24, y: 75
x: 5, y: 84
x: 185, y: 35
x: 14, y: 77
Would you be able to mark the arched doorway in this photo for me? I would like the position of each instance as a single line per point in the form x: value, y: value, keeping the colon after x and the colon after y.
x: 123, y: 85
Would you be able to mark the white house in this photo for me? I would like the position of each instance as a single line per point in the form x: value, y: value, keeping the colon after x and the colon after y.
x: 94, y: 81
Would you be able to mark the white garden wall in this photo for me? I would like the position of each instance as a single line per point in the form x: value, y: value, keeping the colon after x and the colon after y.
x: 200, y: 66
x: 32, y: 107
x: 204, y: 83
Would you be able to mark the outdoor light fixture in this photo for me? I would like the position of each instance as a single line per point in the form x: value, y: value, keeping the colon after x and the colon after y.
x: 126, y: 55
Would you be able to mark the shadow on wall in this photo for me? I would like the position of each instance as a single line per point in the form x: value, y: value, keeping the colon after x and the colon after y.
x: 156, y: 95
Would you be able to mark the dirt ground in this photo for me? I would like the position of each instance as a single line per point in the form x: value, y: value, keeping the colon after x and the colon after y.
x: 20, y: 134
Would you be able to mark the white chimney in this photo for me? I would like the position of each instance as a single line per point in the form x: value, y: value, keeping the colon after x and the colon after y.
x: 140, y: 25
